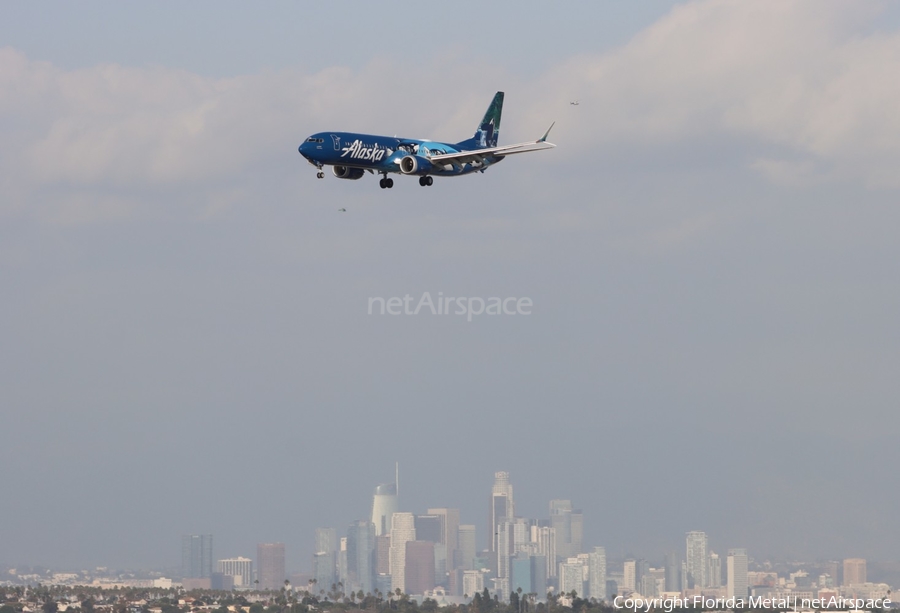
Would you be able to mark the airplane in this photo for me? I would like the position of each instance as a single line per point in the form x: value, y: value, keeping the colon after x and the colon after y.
x: 351, y: 155
x: 574, y: 103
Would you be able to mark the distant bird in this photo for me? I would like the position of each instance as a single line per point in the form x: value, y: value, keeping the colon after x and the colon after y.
x: 574, y: 103
x: 342, y: 210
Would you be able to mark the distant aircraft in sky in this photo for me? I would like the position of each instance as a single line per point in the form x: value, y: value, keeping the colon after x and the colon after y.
x: 574, y: 103
x: 350, y: 155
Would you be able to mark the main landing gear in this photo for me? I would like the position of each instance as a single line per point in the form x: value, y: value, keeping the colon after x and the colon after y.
x: 386, y: 183
x: 425, y: 181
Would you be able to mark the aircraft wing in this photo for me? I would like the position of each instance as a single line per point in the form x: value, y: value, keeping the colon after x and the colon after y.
x: 478, y: 155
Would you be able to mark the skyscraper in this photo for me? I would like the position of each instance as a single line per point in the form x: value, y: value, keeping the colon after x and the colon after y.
x: 697, y: 562
x: 571, y: 577
x: 545, y: 538
x: 737, y: 574
x: 468, y: 547
x: 449, y: 534
x: 629, y: 576
x: 196, y: 556
x: 325, y: 556
x: 714, y: 576
x: 403, y: 530
x: 428, y: 528
x: 361, y: 560
x: 502, y: 507
x: 597, y: 570
x: 385, y: 503
x: 270, y: 566
x: 569, y: 526
x: 854, y: 571
x: 419, y: 567
x: 673, y: 572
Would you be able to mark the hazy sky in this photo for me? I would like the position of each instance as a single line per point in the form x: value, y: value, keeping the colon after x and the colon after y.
x: 711, y: 252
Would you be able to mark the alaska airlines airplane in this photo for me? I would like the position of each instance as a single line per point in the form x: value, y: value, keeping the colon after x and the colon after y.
x: 350, y: 155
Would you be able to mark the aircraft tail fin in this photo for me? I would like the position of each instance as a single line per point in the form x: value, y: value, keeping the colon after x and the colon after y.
x: 488, y: 131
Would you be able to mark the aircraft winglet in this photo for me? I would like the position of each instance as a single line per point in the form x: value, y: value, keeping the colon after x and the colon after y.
x: 543, y: 139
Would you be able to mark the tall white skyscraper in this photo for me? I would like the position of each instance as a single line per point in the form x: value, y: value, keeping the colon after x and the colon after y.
x: 545, y: 537
x: 385, y: 503
x: 696, y: 559
x: 403, y: 530
x: 737, y: 574
x: 597, y: 566
x: 629, y: 575
x: 502, y: 506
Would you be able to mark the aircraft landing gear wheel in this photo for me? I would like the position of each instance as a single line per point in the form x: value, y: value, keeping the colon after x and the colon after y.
x: 429, y: 181
x: 382, y: 183
x: 422, y: 181
x: 389, y: 183
x: 320, y: 175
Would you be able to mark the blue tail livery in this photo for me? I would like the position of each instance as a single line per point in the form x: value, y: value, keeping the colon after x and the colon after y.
x: 350, y: 154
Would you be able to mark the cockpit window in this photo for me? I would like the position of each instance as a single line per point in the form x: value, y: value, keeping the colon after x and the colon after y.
x: 312, y: 140
x: 320, y: 140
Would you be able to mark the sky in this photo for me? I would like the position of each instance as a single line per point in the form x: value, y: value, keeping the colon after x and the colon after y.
x: 710, y: 252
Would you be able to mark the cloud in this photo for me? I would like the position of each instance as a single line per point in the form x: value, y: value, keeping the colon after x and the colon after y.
x: 800, y: 80
x: 799, y: 75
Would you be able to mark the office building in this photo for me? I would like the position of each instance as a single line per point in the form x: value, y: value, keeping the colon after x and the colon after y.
x: 502, y: 507
x: 385, y: 503
x: 629, y: 576
x: 737, y: 586
x: 403, y: 530
x: 270, y: 566
x: 361, y: 561
x: 714, y: 575
x: 571, y: 577
x: 428, y: 528
x: 240, y: 569
x: 472, y: 583
x: 383, y: 554
x: 196, y: 556
x: 597, y: 573
x: 419, y: 567
x: 468, y: 548
x: 854, y: 571
x: 449, y: 535
x: 673, y: 572
x: 697, y: 562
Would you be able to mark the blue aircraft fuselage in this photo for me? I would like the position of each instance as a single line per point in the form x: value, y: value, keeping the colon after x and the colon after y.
x: 380, y: 154
x: 350, y: 154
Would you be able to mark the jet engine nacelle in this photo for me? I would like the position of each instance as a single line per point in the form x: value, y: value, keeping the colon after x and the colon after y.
x: 415, y: 165
x: 342, y: 172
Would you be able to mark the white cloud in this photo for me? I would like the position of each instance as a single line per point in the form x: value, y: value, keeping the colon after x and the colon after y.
x: 797, y: 76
